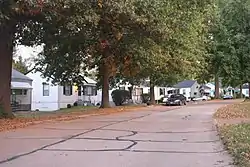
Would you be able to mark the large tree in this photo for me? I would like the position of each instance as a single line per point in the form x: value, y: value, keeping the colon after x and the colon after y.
x: 13, y: 14
x: 236, y: 16
x: 112, y: 36
x: 229, y: 46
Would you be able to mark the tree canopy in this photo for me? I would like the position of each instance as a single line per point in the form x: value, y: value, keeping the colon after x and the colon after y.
x: 228, y: 49
x: 142, y: 38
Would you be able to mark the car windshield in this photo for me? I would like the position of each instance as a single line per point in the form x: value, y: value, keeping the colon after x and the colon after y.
x: 175, y: 96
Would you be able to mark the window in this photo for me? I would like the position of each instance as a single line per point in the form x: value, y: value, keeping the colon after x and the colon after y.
x: 184, y: 91
x: 67, y: 90
x: 19, y: 92
x: 137, y: 92
x: 45, y: 89
x: 247, y: 92
x: 79, y: 90
x: 162, y: 91
x: 89, y: 91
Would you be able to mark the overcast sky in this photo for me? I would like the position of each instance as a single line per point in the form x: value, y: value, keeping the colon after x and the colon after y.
x: 28, y: 52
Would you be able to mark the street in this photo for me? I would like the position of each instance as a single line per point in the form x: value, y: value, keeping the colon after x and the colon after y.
x: 156, y: 136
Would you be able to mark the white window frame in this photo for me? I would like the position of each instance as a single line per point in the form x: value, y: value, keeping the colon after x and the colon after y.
x: 46, y: 89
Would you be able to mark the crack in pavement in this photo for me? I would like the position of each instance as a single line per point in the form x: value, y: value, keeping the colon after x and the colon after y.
x: 71, y: 137
x: 138, y: 151
x: 148, y: 141
x: 135, y: 142
x: 161, y: 132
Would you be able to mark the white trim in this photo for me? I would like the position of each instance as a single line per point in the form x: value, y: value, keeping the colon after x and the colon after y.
x: 20, y: 85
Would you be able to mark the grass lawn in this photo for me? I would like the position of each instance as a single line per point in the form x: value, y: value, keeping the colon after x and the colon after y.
x: 237, y: 140
x: 234, y: 133
x: 73, y: 110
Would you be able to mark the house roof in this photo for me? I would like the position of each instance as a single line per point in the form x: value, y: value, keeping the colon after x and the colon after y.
x: 245, y: 86
x: 205, y: 87
x: 18, y: 75
x: 185, y: 84
x: 89, y: 80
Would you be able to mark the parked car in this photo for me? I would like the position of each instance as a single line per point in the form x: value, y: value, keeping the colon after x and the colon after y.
x: 165, y: 98
x: 177, y: 99
x: 226, y: 97
x: 203, y: 98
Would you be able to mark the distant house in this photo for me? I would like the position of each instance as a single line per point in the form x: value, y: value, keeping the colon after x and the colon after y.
x: 160, y: 91
x: 49, y: 97
x: 206, y: 90
x: 144, y: 88
x: 189, y: 88
x: 212, y: 89
x: 21, y: 90
x: 245, y: 90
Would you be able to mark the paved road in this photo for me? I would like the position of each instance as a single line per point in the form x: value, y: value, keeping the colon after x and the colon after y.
x: 184, y: 137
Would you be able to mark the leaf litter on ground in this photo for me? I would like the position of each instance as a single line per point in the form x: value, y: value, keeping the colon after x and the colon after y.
x: 31, y: 118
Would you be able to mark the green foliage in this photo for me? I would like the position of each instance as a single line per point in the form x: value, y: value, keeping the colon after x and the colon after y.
x: 229, y: 44
x: 145, y: 98
x: 133, y: 39
x: 120, y: 96
x: 20, y: 65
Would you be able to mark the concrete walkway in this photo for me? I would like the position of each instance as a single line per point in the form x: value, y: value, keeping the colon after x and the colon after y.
x: 184, y: 137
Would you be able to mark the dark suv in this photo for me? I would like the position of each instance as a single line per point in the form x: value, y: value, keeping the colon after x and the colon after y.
x: 176, y: 99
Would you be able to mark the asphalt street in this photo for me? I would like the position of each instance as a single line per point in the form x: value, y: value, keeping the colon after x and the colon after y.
x: 156, y: 136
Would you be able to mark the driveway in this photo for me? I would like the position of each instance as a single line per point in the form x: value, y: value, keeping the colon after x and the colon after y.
x: 183, y: 137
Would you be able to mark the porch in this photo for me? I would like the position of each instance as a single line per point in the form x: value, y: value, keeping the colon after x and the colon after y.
x: 21, y: 91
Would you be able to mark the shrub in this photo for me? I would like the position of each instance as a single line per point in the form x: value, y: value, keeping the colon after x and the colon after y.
x: 120, y: 96
x: 75, y: 104
x: 238, y: 96
x: 145, y: 98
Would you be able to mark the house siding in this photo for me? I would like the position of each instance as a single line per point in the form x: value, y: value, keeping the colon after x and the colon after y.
x: 245, y: 92
x: 40, y: 102
x: 65, y: 100
x: 195, y: 90
x: 187, y: 91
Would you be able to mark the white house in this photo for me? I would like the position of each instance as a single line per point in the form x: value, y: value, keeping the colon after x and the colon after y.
x: 189, y: 88
x: 21, y: 90
x: 144, y: 88
x: 49, y: 97
x: 245, y: 90
x: 212, y: 89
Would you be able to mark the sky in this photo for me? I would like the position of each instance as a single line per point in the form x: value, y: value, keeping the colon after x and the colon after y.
x: 28, y: 52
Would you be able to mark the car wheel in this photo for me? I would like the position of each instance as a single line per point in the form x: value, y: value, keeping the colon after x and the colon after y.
x: 180, y: 104
x: 185, y: 103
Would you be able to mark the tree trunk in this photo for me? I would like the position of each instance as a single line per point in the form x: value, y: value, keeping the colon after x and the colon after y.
x: 152, y: 93
x: 6, y: 53
x: 241, y: 91
x: 105, y: 87
x: 249, y: 90
x: 131, y: 92
x: 217, y: 87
